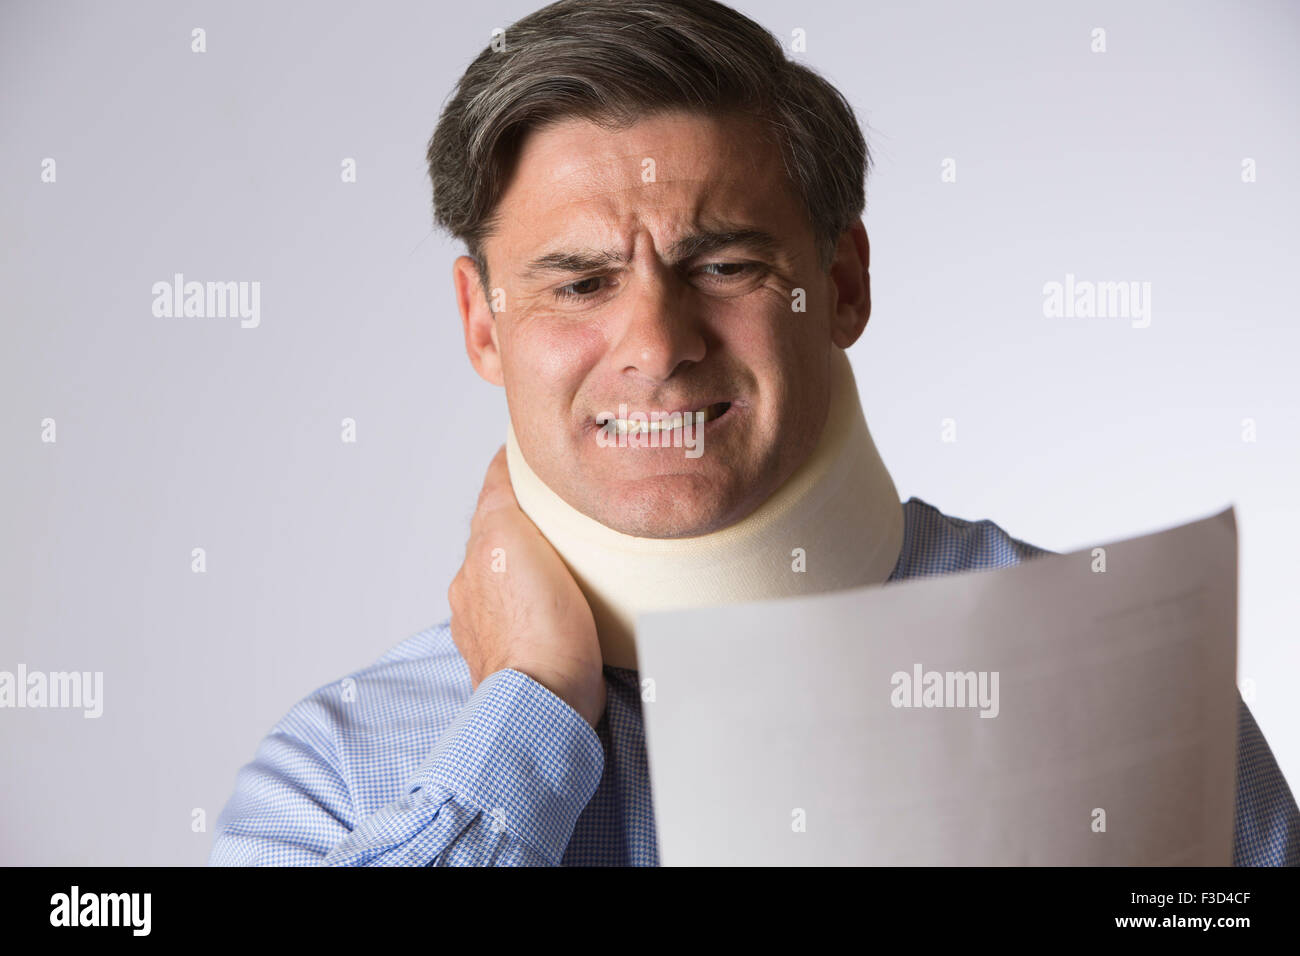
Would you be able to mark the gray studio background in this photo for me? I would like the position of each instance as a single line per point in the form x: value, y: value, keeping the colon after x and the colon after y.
x: 175, y: 434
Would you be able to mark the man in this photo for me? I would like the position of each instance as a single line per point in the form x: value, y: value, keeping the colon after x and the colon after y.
x: 666, y: 263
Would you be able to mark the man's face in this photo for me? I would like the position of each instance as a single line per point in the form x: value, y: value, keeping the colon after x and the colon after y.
x: 656, y: 268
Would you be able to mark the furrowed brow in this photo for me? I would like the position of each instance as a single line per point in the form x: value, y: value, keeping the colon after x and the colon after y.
x: 696, y: 244
x: 702, y: 243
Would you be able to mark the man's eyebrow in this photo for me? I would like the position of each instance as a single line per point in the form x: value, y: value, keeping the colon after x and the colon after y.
x: 701, y: 243
x: 563, y: 262
x: 696, y: 244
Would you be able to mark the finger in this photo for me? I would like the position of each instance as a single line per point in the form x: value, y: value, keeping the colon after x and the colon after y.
x: 497, y: 491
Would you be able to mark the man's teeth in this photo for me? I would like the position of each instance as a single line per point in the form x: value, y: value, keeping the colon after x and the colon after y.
x: 668, y: 422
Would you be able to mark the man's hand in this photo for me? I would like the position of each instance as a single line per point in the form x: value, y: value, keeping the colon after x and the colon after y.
x: 515, y: 605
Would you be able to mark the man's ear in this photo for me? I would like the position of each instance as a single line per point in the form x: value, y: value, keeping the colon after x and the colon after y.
x: 478, y: 321
x: 850, y: 275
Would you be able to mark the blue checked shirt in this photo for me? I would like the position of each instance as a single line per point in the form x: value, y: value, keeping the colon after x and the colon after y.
x: 402, y: 765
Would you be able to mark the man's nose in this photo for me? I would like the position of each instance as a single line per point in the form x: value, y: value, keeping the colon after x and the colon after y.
x: 661, y: 328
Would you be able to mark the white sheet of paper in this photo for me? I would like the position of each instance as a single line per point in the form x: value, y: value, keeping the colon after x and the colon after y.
x: 773, y: 736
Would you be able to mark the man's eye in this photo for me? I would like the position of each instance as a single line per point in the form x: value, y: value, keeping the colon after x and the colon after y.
x: 730, y: 274
x: 730, y: 278
x: 582, y: 289
x: 730, y: 269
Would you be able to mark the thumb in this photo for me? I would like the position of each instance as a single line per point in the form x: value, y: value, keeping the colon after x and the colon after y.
x: 497, y: 491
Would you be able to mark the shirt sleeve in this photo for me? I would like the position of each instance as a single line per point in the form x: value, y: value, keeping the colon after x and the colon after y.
x: 504, y: 786
x: 1267, y: 829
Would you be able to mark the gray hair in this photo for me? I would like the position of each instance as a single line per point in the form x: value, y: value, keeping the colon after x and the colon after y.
x: 612, y: 61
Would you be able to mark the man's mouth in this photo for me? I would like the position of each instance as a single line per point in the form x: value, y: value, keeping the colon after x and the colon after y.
x: 664, y: 421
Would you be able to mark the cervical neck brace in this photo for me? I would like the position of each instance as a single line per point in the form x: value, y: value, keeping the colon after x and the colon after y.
x: 840, y: 506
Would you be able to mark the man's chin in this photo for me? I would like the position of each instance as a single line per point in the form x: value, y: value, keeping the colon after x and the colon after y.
x: 665, y: 506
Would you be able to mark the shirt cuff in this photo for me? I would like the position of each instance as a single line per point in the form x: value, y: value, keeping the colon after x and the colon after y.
x: 522, y: 755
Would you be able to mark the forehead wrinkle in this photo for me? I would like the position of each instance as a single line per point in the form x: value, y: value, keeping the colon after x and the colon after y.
x: 586, y: 180
x: 704, y: 201
x: 700, y: 230
x: 699, y: 241
x: 714, y: 158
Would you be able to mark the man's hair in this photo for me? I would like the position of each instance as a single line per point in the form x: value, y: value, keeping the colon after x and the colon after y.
x: 612, y: 62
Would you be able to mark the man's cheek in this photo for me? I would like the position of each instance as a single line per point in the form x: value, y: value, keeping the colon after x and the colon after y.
x: 544, y: 385
x: 561, y: 355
